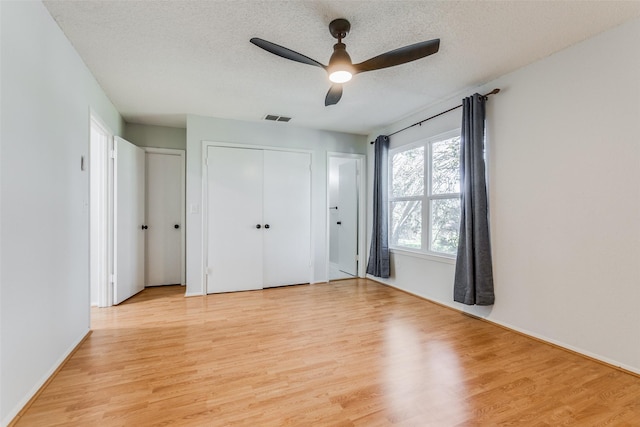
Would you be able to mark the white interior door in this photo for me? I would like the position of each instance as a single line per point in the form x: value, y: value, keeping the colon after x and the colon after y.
x: 128, y: 220
x: 164, y: 209
x: 287, y: 213
x: 234, y: 211
x: 348, y: 217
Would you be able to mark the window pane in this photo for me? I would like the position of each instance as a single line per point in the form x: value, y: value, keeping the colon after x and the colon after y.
x: 445, y: 177
x: 408, y: 172
x: 445, y: 225
x: 406, y: 224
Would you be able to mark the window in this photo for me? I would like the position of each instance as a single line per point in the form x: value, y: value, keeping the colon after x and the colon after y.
x: 424, y: 196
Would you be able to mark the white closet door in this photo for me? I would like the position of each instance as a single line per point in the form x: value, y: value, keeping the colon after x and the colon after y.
x: 348, y: 214
x: 287, y: 213
x: 128, y: 220
x: 164, y: 212
x: 234, y: 209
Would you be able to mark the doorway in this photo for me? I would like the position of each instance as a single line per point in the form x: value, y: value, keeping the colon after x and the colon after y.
x: 345, y: 202
x: 120, y: 214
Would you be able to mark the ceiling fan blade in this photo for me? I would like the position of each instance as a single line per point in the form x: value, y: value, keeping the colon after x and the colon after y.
x: 399, y: 56
x: 334, y: 95
x: 284, y: 52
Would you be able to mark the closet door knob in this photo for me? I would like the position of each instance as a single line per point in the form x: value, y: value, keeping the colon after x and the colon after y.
x: 266, y: 226
x: 176, y: 226
x: 339, y: 222
x: 144, y: 227
x: 258, y: 226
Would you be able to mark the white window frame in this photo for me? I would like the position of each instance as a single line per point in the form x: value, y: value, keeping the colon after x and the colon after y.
x: 425, y: 198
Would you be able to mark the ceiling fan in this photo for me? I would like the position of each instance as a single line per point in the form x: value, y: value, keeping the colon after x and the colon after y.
x: 340, y: 68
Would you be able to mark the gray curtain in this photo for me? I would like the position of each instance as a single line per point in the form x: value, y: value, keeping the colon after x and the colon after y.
x: 474, y: 272
x: 379, y: 254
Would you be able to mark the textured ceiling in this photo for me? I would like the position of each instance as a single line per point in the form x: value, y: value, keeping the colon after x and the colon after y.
x: 160, y: 60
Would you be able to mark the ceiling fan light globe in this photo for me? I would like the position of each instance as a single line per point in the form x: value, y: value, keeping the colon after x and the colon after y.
x: 340, y: 76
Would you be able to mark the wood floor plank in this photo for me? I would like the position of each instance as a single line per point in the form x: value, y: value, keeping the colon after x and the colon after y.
x: 348, y: 353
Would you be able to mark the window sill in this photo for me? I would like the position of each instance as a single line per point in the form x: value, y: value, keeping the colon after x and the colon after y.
x: 446, y: 259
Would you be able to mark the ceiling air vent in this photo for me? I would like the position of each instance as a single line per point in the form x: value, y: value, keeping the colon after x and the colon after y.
x: 274, y: 118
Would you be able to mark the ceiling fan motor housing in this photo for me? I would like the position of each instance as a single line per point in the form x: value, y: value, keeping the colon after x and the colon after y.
x: 340, y: 55
x: 340, y: 68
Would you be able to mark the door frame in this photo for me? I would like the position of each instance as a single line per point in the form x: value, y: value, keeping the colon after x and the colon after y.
x: 205, y: 202
x: 181, y: 154
x: 362, y: 186
x: 105, y: 241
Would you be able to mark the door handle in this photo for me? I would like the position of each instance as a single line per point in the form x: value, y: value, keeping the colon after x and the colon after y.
x: 176, y: 226
x: 339, y: 222
x: 258, y: 226
x: 267, y: 226
x: 144, y: 227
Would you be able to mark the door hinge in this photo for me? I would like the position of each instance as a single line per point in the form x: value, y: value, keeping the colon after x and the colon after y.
x: 112, y: 154
x: 112, y: 278
x: 206, y: 161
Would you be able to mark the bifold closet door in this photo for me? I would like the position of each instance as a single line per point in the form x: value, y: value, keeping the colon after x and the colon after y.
x: 287, y: 212
x: 234, y: 211
x: 258, y: 219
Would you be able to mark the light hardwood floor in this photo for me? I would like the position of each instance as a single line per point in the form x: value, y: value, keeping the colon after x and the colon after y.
x: 349, y: 353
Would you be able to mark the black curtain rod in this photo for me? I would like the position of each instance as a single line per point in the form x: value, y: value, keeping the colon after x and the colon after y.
x: 493, y: 92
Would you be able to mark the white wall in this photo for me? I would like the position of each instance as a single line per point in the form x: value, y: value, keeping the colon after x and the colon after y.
x: 47, y: 93
x: 274, y: 134
x: 564, y: 171
x: 155, y: 136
